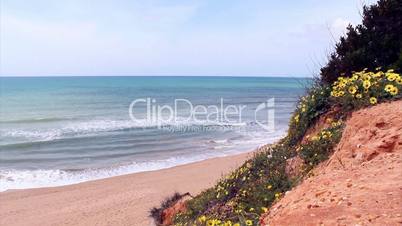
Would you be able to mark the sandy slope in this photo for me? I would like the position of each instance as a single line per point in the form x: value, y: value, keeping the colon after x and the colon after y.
x: 123, y: 200
x: 361, y: 184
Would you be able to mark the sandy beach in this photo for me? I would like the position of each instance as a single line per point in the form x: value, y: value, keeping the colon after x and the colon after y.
x: 122, y: 200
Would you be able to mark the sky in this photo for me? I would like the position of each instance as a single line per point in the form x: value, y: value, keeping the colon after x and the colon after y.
x: 171, y: 37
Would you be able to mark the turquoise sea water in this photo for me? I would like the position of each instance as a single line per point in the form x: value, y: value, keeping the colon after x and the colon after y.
x: 63, y: 130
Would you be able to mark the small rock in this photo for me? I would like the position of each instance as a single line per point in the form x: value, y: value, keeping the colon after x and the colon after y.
x: 358, y: 215
x: 320, y: 193
x: 341, y: 218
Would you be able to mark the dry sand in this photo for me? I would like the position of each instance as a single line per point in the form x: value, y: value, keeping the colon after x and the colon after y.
x: 122, y: 200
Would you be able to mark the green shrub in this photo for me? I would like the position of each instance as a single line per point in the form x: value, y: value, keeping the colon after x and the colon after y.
x: 319, y: 147
x: 310, y: 108
x: 374, y: 43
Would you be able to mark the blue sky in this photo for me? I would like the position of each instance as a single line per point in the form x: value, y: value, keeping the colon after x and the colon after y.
x: 171, y: 37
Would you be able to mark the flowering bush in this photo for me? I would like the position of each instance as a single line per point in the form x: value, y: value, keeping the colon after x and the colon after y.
x: 242, y: 196
x: 365, y: 88
x: 310, y: 107
x: 318, y: 147
x: 349, y: 93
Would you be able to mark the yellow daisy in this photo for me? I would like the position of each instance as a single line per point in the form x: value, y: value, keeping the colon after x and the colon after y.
x: 391, y: 77
x: 202, y: 218
x: 352, y: 90
x: 373, y: 100
x: 366, y: 84
x: 394, y: 91
x: 388, y: 88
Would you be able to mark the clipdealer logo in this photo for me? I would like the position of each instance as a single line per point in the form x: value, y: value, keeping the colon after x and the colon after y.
x: 184, y: 112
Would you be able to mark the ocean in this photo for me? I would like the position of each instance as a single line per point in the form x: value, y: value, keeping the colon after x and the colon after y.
x: 64, y: 130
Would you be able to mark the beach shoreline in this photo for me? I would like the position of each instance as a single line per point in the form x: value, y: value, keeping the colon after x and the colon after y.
x: 119, y: 200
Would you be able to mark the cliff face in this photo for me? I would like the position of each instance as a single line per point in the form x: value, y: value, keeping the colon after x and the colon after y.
x: 360, y: 184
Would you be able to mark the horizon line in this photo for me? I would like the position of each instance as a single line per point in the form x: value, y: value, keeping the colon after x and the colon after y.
x: 251, y: 76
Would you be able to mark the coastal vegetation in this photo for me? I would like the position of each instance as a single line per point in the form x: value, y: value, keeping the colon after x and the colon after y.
x: 376, y: 42
x: 248, y: 192
x: 363, y: 71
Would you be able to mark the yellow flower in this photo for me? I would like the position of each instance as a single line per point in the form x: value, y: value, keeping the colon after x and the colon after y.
x: 237, y: 224
x: 352, y: 90
x: 394, y: 91
x: 378, y: 74
x: 388, y: 88
x: 264, y: 209
x: 391, y: 76
x: 297, y: 117
x: 211, y: 223
x: 228, y: 223
x: 359, y: 96
x: 366, y: 77
x: 269, y: 187
x: 251, y: 209
x: 366, y: 84
x: 277, y: 195
x: 202, y: 218
x: 373, y: 100
x: 249, y: 222
x: 399, y: 81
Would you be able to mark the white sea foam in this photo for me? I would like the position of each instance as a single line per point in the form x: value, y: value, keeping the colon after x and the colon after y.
x: 101, y: 125
x: 22, y: 179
